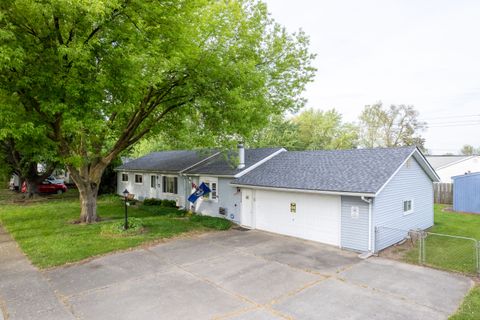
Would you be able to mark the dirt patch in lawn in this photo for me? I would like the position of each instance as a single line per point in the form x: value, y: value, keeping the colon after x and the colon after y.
x: 398, y: 251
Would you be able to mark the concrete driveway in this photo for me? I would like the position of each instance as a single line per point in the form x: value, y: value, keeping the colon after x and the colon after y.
x: 253, y: 275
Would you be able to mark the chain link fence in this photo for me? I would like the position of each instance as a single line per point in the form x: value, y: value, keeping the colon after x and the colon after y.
x: 437, y: 250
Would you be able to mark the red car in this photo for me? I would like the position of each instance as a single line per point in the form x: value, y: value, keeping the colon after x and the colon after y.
x: 48, y: 187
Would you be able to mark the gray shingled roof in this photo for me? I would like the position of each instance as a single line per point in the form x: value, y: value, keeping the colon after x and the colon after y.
x: 167, y: 161
x: 356, y: 171
x: 225, y: 164
x: 441, y: 161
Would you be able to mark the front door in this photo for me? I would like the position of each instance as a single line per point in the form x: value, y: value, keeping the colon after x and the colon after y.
x: 247, y: 208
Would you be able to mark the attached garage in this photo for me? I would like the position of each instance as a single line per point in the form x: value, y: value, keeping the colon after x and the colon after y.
x: 304, y: 215
x: 340, y: 197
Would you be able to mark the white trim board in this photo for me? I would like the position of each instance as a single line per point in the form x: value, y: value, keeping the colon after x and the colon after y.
x: 339, y: 193
x: 404, y: 162
x: 455, y: 162
x: 255, y: 165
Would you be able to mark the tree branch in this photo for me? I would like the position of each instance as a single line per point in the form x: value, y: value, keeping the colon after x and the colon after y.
x: 115, y: 13
x: 57, y: 30
x: 156, y: 119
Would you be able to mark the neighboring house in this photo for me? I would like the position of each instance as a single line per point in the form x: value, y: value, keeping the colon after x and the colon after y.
x: 173, y: 175
x: 452, y: 165
x: 466, y: 192
x: 341, y: 197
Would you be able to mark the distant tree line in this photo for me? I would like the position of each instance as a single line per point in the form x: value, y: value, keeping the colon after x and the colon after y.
x: 313, y: 129
x: 469, y: 150
x: 377, y: 126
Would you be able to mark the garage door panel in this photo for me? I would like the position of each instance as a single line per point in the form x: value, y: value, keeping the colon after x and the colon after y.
x: 317, y: 216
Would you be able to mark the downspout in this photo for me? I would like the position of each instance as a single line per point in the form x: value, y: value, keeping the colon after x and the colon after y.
x: 371, y: 248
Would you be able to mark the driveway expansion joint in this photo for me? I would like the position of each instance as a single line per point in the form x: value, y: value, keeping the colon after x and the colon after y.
x: 386, y: 292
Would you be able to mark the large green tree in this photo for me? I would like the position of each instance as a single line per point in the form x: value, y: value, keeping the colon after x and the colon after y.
x: 101, y: 75
x: 394, y: 126
x: 309, y: 130
x: 324, y: 130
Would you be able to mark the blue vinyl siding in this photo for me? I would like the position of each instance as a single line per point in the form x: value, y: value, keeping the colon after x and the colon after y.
x: 410, y: 183
x: 466, y: 193
x: 354, y: 234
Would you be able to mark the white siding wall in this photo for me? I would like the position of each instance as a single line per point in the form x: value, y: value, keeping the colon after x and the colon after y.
x: 410, y: 183
x: 144, y: 190
x: 228, y: 198
x: 472, y: 165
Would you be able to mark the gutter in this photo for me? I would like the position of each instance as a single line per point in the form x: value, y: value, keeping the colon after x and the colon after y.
x: 339, y: 193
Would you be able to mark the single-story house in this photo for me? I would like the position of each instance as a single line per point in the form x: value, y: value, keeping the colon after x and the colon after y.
x: 466, y: 192
x: 339, y: 197
x: 448, y: 166
x: 160, y: 174
x: 173, y: 175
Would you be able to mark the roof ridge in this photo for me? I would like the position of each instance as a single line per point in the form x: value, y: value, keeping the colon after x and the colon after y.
x: 354, y: 149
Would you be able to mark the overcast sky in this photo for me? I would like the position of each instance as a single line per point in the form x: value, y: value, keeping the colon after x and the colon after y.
x: 420, y: 52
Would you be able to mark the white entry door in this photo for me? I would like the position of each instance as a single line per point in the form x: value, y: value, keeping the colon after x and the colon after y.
x: 247, y: 208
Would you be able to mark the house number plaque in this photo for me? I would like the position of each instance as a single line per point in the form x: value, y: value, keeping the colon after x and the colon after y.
x: 354, y: 212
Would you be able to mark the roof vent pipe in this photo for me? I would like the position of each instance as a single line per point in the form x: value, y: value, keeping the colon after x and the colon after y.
x: 241, y: 156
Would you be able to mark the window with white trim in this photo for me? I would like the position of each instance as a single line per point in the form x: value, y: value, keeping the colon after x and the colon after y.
x: 212, y: 184
x: 139, y: 178
x: 153, y: 182
x: 213, y: 194
x: 124, y: 177
x: 170, y: 184
x: 407, y: 206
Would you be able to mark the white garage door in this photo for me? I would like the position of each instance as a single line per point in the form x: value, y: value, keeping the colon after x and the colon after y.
x: 308, y: 216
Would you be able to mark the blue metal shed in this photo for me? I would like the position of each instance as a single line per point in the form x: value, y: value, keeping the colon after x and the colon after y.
x: 466, y: 192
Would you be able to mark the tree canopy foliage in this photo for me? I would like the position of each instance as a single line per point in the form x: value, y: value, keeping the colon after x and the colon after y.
x: 24, y: 145
x: 100, y: 75
x: 309, y: 130
x: 469, y: 150
x: 394, y: 126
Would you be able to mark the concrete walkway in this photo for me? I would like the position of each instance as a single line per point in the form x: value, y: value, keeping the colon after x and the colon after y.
x: 228, y: 275
x: 24, y: 291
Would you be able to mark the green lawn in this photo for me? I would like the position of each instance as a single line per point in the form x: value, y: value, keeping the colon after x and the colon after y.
x: 451, y: 253
x: 470, y: 308
x: 454, y: 254
x: 46, y: 233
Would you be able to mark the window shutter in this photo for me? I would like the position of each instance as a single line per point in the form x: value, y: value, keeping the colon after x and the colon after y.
x: 164, y: 184
x: 175, y: 185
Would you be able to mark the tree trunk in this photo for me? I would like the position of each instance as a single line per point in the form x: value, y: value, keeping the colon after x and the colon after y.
x: 87, y: 180
x: 32, y: 188
x: 88, y: 202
